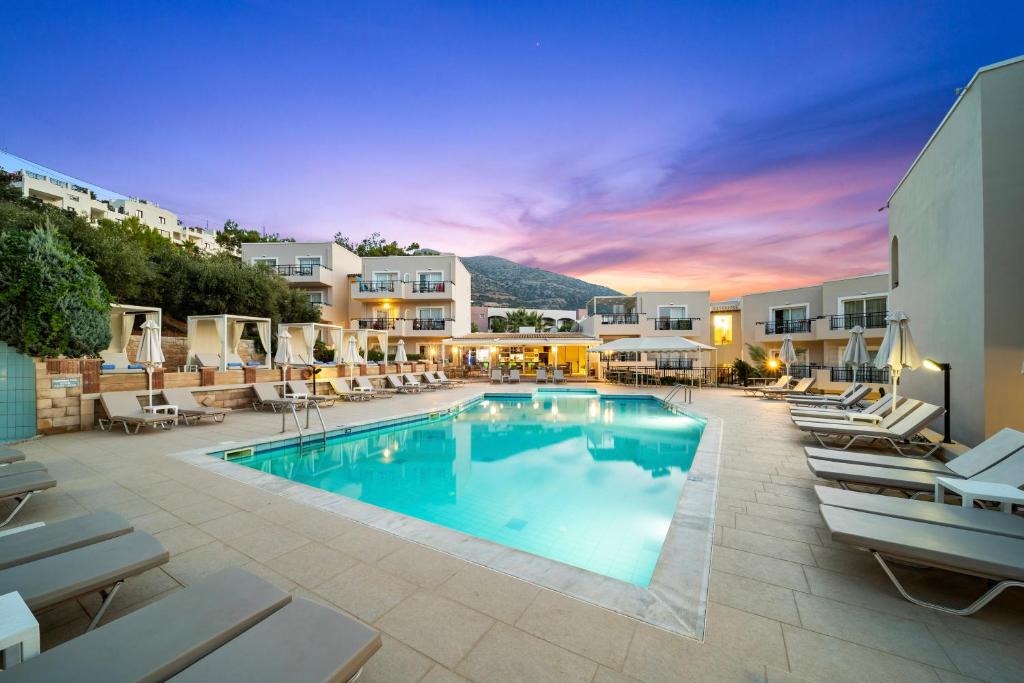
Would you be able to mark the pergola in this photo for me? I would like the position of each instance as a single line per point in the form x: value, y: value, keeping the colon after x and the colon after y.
x: 219, y: 335
x: 122, y: 320
x: 658, y: 345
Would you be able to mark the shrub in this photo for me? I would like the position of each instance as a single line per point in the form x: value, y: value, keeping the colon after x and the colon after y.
x: 51, y: 300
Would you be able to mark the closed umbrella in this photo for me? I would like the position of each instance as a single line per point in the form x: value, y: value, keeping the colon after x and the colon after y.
x: 856, y: 353
x: 787, y: 354
x: 897, y: 351
x: 351, y: 355
x: 283, y: 357
x: 150, y: 354
x: 400, y: 356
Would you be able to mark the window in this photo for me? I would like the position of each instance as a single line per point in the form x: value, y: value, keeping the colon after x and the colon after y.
x: 316, y: 297
x: 138, y: 213
x: 430, y: 313
x: 265, y: 261
x: 894, y: 262
x: 382, y: 281
x: 867, y: 312
x: 307, y: 264
x: 429, y: 281
x: 672, y: 312
x: 163, y: 221
x: 788, y: 319
x: 723, y: 330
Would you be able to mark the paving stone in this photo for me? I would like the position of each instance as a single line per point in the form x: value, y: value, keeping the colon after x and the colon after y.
x: 438, y: 627
x: 493, y: 593
x: 508, y: 655
x: 395, y: 662
x: 760, y: 544
x: 311, y: 564
x: 365, y: 591
x: 823, y: 658
x: 760, y: 568
x: 421, y: 565
x: 752, y: 596
x: 655, y: 655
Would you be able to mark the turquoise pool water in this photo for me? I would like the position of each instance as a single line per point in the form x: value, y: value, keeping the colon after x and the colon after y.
x: 588, y: 481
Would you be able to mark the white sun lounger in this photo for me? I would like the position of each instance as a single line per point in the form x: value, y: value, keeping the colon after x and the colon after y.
x: 400, y: 386
x: 300, y: 389
x: 266, y: 395
x: 410, y: 380
x: 341, y: 387
x: 853, y: 395
x: 364, y: 385
x: 900, y: 429
x: 188, y: 407
x: 802, y: 388
x: 781, y: 383
x: 872, y: 413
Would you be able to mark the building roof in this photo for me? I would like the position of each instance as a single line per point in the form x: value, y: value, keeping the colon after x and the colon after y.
x: 727, y: 305
x: 535, y: 338
x: 956, y: 103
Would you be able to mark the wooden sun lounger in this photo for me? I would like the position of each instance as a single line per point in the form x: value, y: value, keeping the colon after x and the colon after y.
x: 96, y: 568
x: 59, y: 537
x: 982, y: 553
x: 21, y: 487
x: 230, y: 626
x: 188, y: 407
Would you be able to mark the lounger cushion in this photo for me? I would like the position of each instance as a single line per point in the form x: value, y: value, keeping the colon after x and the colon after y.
x: 910, y: 480
x: 59, y: 537
x: 8, y: 458
x: 971, y: 552
x: 22, y: 468
x: 163, y: 638
x: 303, y: 641
x: 899, y: 462
x: 20, y: 484
x: 991, y: 452
x: 971, y: 519
x: 52, y: 580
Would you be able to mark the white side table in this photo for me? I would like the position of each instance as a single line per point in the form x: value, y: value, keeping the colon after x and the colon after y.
x: 162, y: 408
x: 17, y: 627
x: 969, y: 491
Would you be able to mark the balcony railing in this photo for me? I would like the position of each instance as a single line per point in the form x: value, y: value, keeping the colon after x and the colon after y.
x: 434, y: 324
x: 424, y: 287
x: 379, y: 286
x: 787, y: 326
x: 620, y: 318
x: 674, y: 323
x: 867, y: 374
x: 851, y: 320
x: 307, y: 270
x: 377, y: 323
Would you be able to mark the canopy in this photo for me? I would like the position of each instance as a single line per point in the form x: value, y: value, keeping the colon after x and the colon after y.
x: 122, y: 321
x: 651, y: 345
x: 221, y: 334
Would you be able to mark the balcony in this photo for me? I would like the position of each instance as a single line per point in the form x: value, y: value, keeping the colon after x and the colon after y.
x: 620, y: 318
x: 427, y: 327
x: 428, y: 324
x: 870, y: 375
x: 787, y: 326
x: 311, y: 273
x: 376, y: 323
x: 376, y: 290
x: 866, y: 320
x: 681, y: 324
x: 422, y: 287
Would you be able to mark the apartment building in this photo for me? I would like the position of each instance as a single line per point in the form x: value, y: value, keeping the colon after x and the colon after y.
x: 419, y: 299
x: 818, y: 318
x: 94, y: 204
x: 321, y: 270
x: 650, y: 314
x: 956, y: 241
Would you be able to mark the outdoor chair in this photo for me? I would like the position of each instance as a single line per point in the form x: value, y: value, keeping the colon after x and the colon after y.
x: 899, y: 430
x: 366, y: 387
x: 299, y: 389
x: 266, y: 395
x: 122, y: 407
x: 188, y: 407
x: 853, y: 395
x: 872, y: 413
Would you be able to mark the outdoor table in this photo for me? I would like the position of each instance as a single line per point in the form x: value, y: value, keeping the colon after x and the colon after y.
x: 17, y: 628
x: 970, y: 491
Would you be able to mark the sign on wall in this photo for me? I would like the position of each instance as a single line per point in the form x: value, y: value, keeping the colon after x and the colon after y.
x: 65, y: 382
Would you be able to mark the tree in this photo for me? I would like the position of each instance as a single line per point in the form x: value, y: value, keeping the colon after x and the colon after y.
x: 232, y: 236
x: 567, y: 326
x: 375, y: 245
x: 523, y: 318
x: 51, y: 300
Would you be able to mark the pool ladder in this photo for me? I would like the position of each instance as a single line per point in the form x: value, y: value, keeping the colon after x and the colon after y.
x: 310, y: 406
x: 686, y: 390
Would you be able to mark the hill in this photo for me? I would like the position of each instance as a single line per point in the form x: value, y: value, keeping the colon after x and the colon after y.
x: 500, y: 282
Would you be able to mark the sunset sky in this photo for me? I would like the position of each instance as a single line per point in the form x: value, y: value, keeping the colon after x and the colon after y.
x: 640, y: 145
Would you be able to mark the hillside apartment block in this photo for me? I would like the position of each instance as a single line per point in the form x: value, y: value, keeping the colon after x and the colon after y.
x: 69, y: 194
x: 421, y: 300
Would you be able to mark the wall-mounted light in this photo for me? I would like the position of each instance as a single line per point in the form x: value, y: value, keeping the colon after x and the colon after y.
x: 936, y: 366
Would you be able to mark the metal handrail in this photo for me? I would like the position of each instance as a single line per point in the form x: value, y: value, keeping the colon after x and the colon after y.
x: 284, y: 422
x: 323, y: 426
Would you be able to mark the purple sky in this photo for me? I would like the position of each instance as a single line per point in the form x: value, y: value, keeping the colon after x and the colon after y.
x: 638, y: 145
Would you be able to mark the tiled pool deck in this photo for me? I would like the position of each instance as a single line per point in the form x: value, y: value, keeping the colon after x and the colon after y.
x: 785, y: 603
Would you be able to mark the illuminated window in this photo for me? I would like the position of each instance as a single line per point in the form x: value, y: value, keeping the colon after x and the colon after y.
x: 723, y: 330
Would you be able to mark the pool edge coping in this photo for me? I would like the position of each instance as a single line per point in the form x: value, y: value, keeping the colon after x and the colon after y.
x: 676, y: 598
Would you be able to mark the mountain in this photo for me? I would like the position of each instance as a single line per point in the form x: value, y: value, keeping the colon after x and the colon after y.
x: 500, y: 282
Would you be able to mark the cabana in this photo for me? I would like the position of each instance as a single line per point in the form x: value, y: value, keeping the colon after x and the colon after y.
x: 123, y: 319
x: 660, y: 346
x: 213, y: 340
x: 303, y: 338
x: 365, y: 339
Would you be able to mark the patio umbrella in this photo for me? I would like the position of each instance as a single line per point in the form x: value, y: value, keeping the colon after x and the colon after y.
x: 150, y: 354
x: 400, y: 356
x: 856, y: 353
x: 351, y: 355
x: 897, y: 351
x: 283, y: 357
x: 787, y: 354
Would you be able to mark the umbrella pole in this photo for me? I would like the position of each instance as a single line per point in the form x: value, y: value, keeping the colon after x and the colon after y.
x: 149, y: 374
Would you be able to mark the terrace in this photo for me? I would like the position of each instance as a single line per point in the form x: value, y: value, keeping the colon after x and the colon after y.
x: 785, y: 602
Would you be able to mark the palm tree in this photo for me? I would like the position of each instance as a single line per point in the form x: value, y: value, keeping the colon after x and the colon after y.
x: 523, y: 318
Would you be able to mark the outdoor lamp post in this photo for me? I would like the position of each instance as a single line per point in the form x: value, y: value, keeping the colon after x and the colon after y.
x: 936, y: 366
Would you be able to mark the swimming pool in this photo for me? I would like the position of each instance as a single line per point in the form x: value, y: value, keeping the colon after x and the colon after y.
x: 587, y: 480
